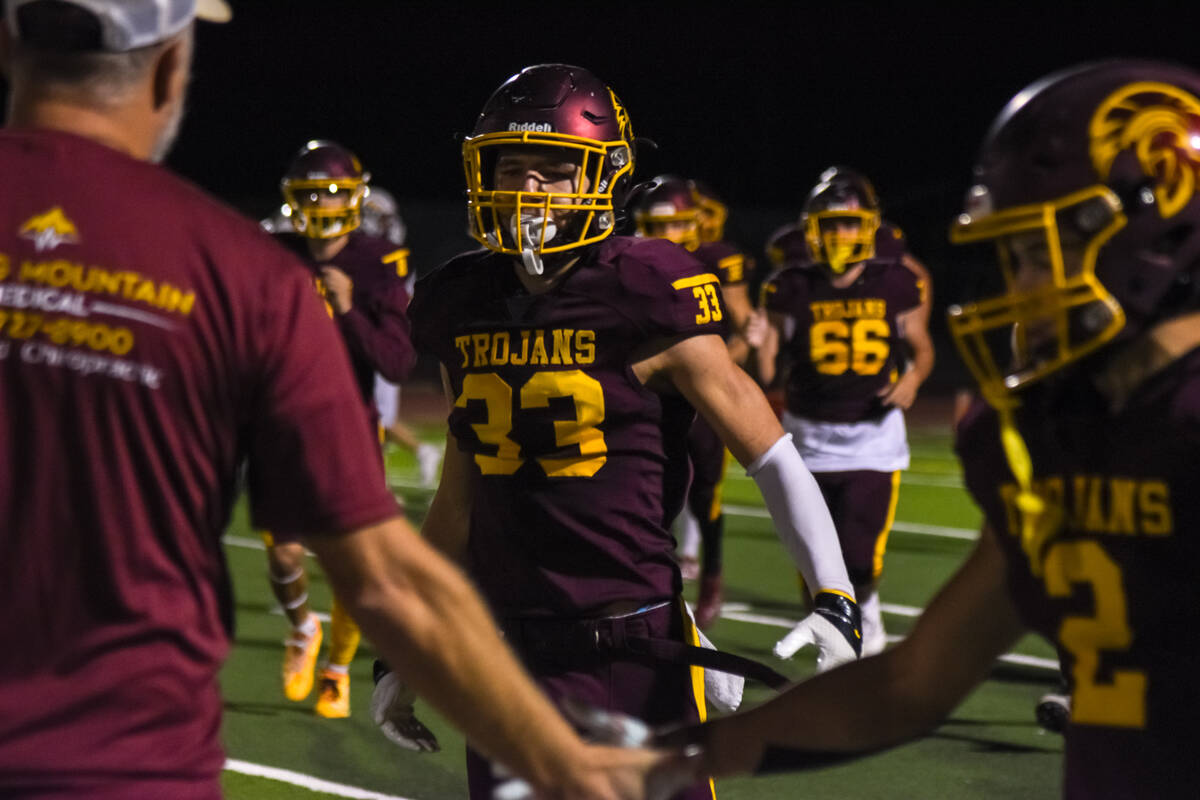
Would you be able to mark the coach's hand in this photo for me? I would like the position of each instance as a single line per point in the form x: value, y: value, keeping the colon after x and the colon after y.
x: 834, y: 626
x: 392, y: 709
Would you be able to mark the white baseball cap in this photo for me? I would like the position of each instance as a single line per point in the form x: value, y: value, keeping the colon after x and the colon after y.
x: 130, y: 24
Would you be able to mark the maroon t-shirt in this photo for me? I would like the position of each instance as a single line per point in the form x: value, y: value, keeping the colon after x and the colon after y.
x: 578, y: 467
x: 150, y: 340
x: 845, y: 345
x: 1117, y: 592
x: 375, y: 329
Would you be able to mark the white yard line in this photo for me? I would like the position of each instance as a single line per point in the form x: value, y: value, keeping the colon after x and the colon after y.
x: 946, y: 532
x: 931, y: 479
x: 248, y: 542
x: 305, y: 781
x: 968, y: 534
x: 907, y: 478
x: 740, y: 612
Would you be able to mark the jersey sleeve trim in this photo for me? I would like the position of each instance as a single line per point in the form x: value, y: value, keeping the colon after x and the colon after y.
x: 694, y: 280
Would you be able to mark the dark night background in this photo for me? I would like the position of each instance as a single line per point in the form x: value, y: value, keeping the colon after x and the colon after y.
x: 755, y: 98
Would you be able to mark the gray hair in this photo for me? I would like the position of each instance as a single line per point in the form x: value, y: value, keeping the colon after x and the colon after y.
x: 57, y: 58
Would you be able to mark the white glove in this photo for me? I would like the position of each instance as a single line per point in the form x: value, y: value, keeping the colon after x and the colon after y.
x: 834, y: 626
x: 392, y: 709
x: 832, y: 647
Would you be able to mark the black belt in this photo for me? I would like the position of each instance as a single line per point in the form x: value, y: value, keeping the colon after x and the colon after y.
x: 717, y: 660
x: 581, y: 640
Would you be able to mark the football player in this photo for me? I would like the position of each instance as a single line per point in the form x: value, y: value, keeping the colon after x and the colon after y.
x: 1083, y: 457
x: 572, y: 360
x: 842, y: 319
x: 669, y: 208
x: 381, y: 218
x: 790, y: 245
x: 324, y: 188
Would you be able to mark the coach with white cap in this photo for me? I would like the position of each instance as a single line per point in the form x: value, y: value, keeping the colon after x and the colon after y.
x: 150, y: 341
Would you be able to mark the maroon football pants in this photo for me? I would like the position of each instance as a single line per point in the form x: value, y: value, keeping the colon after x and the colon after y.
x: 863, y: 505
x: 562, y: 658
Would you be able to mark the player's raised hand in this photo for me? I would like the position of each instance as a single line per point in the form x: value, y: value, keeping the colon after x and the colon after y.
x: 338, y: 289
x: 757, y: 328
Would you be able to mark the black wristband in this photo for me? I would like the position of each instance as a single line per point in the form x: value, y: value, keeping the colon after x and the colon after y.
x: 379, y: 669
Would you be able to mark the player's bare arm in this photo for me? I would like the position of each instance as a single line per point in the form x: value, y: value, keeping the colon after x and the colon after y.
x: 768, y: 353
x: 924, y: 285
x: 915, y: 330
x: 700, y: 369
x: 887, y: 699
x: 736, y: 299
x: 448, y: 522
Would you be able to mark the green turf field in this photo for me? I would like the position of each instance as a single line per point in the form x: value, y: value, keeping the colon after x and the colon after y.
x: 990, y: 747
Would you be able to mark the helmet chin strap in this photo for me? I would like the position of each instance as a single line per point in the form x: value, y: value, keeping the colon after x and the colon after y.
x: 530, y: 232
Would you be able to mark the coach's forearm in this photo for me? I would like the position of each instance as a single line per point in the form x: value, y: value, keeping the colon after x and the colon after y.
x: 430, y: 625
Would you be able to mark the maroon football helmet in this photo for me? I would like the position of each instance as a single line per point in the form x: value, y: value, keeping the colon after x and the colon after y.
x: 569, y: 113
x: 840, y: 219
x: 323, y: 188
x: 1087, y: 181
x: 667, y: 209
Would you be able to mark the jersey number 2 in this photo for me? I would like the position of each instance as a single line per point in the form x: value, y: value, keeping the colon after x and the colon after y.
x: 1120, y: 701
x: 581, y: 430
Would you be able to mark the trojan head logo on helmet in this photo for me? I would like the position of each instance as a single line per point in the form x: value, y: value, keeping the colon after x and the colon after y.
x: 323, y: 188
x: 840, y: 218
x: 713, y: 212
x: 667, y: 209
x: 547, y: 165
x: 1086, y: 184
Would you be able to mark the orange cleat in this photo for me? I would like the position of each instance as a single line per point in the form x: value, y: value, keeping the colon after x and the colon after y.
x: 300, y: 662
x: 334, y: 699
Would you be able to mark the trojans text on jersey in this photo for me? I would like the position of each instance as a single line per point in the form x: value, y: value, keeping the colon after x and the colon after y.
x: 556, y: 346
x: 1101, y: 504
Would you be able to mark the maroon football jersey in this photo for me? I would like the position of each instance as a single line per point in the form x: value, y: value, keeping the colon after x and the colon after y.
x: 844, y: 347
x: 150, y: 339
x: 1114, y: 586
x: 787, y: 247
x: 375, y: 329
x: 724, y: 260
x: 578, y: 466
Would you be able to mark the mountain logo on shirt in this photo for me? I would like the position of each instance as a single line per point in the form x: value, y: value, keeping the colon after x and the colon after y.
x: 49, y: 229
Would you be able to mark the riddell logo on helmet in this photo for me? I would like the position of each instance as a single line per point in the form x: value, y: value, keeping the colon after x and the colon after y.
x: 541, y: 127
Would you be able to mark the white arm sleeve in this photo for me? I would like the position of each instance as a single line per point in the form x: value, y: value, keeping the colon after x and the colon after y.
x: 801, y: 517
